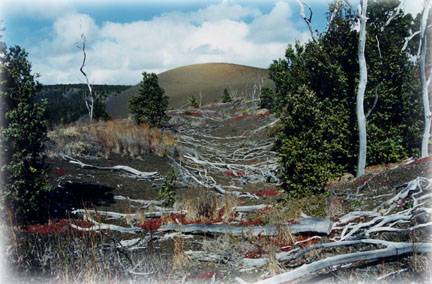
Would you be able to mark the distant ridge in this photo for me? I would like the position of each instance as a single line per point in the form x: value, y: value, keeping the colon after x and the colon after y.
x: 209, y: 79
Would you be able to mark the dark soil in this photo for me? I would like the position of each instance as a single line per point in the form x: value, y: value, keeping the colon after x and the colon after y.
x: 96, y: 189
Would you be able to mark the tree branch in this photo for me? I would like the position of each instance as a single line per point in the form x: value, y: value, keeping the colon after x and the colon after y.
x: 307, y: 20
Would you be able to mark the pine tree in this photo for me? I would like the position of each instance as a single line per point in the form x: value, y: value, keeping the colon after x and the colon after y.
x: 23, y: 134
x: 150, y: 105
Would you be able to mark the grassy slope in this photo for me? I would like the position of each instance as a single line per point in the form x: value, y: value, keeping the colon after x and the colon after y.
x: 209, y: 78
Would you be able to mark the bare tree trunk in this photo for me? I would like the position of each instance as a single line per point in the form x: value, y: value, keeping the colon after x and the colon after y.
x: 361, y: 118
x: 89, y: 100
x: 425, y: 82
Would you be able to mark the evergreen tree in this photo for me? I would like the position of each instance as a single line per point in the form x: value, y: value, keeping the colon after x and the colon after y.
x: 226, y: 96
x: 150, y: 105
x: 267, y: 98
x: 23, y: 134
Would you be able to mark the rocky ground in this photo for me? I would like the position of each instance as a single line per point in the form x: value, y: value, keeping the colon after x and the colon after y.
x: 224, y: 162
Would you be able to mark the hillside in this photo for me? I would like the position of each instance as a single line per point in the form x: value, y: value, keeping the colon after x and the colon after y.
x: 209, y: 79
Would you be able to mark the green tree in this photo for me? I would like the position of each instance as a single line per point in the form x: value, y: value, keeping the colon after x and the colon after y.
x: 150, y: 105
x: 306, y: 151
x: 329, y: 68
x: 267, y: 98
x: 226, y: 96
x: 23, y: 134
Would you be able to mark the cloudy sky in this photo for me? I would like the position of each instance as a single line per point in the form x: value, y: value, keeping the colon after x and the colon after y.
x: 125, y: 38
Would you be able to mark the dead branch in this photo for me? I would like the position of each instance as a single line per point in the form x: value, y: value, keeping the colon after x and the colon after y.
x: 307, y: 20
x: 131, y: 171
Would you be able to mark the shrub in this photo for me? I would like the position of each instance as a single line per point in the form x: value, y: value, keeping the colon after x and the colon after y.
x: 150, y: 105
x: 167, y: 191
x: 194, y: 103
x: 23, y: 135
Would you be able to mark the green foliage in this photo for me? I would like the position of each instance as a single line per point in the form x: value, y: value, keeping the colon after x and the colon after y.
x: 23, y: 135
x: 66, y: 104
x: 150, y: 105
x: 306, y: 151
x: 193, y: 101
x: 167, y: 191
x: 329, y: 68
x: 226, y: 96
x: 267, y: 98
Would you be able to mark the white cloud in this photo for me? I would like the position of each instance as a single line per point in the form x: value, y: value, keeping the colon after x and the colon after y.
x: 117, y: 53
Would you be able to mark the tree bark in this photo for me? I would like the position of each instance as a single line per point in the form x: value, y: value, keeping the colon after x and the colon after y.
x: 424, y: 82
x: 361, y: 118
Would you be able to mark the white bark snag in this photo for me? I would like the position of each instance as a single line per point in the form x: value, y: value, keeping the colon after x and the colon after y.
x: 424, y: 82
x: 89, y: 100
x: 307, y: 20
x: 361, y: 118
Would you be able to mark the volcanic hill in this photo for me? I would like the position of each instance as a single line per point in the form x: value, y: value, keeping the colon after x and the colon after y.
x: 207, y: 79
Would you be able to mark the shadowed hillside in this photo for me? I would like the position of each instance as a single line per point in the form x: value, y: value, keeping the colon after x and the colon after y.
x: 209, y: 79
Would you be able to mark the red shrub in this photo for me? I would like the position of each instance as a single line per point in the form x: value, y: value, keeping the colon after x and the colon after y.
x: 60, y: 172
x: 152, y: 225
x: 62, y: 226
x: 258, y: 252
x: 242, y: 116
x: 271, y: 192
x: 248, y: 223
x: 208, y: 275
x: 233, y: 173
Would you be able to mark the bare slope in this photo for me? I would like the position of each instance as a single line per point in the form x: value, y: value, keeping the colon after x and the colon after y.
x: 209, y: 79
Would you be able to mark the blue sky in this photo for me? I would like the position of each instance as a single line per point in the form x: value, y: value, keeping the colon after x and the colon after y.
x: 125, y: 38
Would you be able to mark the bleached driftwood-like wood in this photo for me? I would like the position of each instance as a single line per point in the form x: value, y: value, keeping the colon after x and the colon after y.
x: 135, y: 216
x: 110, y: 227
x: 392, y: 249
x: 385, y: 216
x: 265, y: 126
x: 131, y: 171
x: 306, y: 225
x: 139, y: 201
x: 251, y: 208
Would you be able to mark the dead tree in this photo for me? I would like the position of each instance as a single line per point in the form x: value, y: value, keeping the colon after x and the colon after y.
x: 89, y: 98
x: 425, y: 82
x: 361, y: 118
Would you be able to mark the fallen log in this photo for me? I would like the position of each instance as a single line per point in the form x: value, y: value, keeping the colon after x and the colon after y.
x: 306, y: 225
x: 392, y: 249
x: 136, y: 216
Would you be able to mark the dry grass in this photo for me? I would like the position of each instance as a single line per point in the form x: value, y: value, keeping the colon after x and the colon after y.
x: 77, y: 257
x: 179, y: 258
x: 105, y: 138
